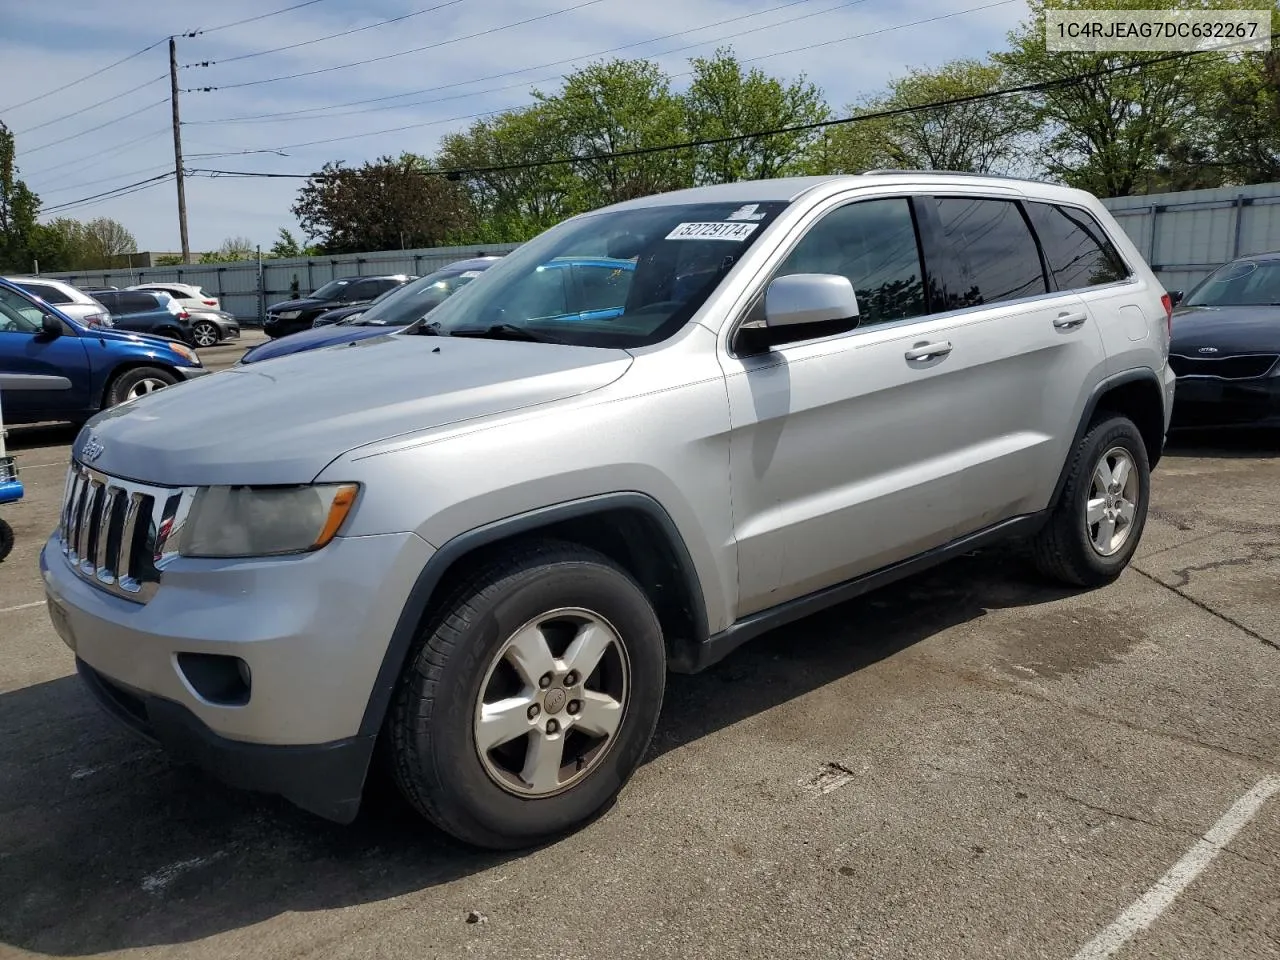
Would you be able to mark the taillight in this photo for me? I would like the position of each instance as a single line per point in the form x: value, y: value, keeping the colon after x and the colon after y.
x: 210, y: 303
x: 1166, y: 301
x: 184, y: 315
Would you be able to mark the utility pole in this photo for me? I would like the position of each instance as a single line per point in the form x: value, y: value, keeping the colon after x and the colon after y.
x: 177, y: 151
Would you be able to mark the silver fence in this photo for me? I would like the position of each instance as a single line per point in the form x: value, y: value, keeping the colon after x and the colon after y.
x: 1184, y: 236
x: 247, y: 289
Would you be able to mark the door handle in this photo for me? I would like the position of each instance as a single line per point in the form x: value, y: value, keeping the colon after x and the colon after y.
x: 928, y: 351
x: 1069, y: 321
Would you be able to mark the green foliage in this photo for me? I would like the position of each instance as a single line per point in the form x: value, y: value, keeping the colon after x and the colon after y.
x: 724, y: 101
x: 231, y: 250
x: 287, y: 245
x: 387, y: 204
x: 19, y: 207
x: 169, y: 260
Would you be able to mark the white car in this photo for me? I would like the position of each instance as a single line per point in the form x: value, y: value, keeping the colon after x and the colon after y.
x: 191, y: 297
x: 72, y: 301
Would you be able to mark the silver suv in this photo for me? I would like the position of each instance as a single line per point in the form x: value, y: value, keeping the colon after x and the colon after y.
x: 482, y: 542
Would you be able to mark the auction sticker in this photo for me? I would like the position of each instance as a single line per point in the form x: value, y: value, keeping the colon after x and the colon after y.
x: 712, y: 231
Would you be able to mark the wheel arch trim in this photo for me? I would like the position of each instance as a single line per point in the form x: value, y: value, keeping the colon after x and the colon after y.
x: 459, y: 546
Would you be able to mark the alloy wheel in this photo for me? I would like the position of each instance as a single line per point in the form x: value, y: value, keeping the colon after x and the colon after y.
x: 1113, y: 501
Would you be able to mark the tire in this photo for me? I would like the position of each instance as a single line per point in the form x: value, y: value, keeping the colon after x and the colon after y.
x: 432, y: 728
x: 136, y: 382
x: 1072, y: 549
x: 205, y: 334
x: 6, y: 540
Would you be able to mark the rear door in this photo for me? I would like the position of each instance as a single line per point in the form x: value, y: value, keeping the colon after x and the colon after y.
x: 1043, y: 347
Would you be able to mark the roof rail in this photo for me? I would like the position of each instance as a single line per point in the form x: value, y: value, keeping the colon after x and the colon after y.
x: 946, y: 173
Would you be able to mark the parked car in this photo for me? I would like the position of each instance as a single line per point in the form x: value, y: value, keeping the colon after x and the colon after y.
x: 53, y: 367
x: 1226, y: 347
x: 339, y: 314
x: 191, y: 296
x: 210, y: 327
x: 70, y: 300
x: 484, y: 544
x: 395, y: 309
x: 148, y: 311
x: 290, y: 316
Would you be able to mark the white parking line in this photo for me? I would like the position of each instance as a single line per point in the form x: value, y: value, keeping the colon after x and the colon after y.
x: 1147, y: 908
x: 22, y: 606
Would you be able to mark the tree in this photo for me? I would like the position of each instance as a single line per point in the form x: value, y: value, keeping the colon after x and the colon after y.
x: 511, y: 203
x: 287, y: 246
x: 1109, y: 134
x: 723, y: 100
x: 983, y: 136
x: 169, y: 260
x: 19, y: 207
x: 231, y: 249
x: 59, y: 244
x: 104, y: 242
x: 619, y: 106
x: 387, y: 204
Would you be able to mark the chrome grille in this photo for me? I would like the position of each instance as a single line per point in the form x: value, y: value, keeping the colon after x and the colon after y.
x: 117, y: 534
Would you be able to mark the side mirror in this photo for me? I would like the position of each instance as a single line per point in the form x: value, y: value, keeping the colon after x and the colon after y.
x: 50, y: 325
x: 805, y: 298
x: 1176, y: 296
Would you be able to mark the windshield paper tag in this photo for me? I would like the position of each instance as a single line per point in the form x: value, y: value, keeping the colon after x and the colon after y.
x: 749, y: 212
x: 712, y: 231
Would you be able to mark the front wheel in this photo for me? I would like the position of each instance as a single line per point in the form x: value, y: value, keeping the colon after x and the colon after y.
x: 1095, y: 527
x: 530, y: 698
x: 138, y: 382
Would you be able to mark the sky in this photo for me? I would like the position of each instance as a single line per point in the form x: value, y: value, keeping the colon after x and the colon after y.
x: 113, y: 129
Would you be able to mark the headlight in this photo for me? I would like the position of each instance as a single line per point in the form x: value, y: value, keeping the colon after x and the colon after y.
x: 265, y: 521
x: 289, y: 314
x: 185, y: 352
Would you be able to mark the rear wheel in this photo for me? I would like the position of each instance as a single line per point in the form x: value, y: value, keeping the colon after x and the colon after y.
x: 205, y: 333
x: 138, y: 382
x: 1096, y: 525
x: 530, y: 697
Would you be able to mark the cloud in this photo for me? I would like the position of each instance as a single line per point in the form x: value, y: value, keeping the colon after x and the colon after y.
x: 47, y: 45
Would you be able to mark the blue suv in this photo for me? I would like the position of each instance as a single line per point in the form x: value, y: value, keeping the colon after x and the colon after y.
x: 53, y: 368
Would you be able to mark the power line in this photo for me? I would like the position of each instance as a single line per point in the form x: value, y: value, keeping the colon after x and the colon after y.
x: 82, y: 133
x: 402, y: 53
x: 332, y: 36
x: 261, y: 16
x: 76, y: 113
x: 111, y: 194
x: 427, y: 123
x: 130, y: 144
x: 87, y: 76
x: 265, y: 117
x: 458, y: 172
x: 117, y: 176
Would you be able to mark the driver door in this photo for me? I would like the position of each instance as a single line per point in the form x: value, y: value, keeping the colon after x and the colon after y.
x: 42, y: 377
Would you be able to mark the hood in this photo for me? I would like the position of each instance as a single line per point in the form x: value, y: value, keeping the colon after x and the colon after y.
x: 310, y: 340
x: 305, y: 303
x: 1230, y: 330
x: 145, y: 340
x: 309, y: 408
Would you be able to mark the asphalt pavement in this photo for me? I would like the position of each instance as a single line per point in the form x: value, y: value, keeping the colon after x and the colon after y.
x: 970, y: 764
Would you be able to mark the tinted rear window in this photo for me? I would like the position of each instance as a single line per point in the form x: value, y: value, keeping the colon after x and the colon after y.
x: 1078, y: 251
x: 46, y: 293
x: 137, y: 302
x: 994, y: 248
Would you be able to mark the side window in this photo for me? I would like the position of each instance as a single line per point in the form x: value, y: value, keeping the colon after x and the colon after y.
x: 18, y: 315
x: 602, y: 287
x: 46, y: 293
x: 873, y: 243
x: 137, y: 302
x: 993, y: 248
x: 1078, y: 251
x: 108, y: 300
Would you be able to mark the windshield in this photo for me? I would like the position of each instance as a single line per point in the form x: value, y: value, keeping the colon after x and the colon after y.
x: 1242, y: 283
x: 330, y: 289
x: 414, y: 300
x: 619, y: 278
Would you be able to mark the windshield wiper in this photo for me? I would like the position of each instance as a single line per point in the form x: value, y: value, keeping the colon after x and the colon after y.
x: 425, y: 330
x: 504, y: 331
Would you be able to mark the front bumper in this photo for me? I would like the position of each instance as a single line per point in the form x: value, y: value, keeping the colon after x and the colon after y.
x: 191, y: 373
x: 1203, y: 402
x: 312, y: 629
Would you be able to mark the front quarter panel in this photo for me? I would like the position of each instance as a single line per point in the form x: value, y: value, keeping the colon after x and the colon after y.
x: 660, y: 430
